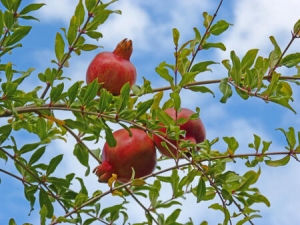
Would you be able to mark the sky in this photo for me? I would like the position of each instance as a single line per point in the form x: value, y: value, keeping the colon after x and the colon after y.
x: 149, y: 25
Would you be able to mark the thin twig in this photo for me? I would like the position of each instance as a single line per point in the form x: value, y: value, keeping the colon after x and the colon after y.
x: 204, y: 36
x: 141, y: 204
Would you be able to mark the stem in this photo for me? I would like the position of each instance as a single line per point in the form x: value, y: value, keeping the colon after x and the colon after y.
x: 141, y: 204
x: 71, y: 49
x: 294, y: 36
x: 204, y: 36
x: 38, y: 180
x: 77, y: 138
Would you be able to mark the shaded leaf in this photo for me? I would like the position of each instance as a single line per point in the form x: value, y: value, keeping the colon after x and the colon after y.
x: 201, y: 190
x: 45, y: 203
x: 225, y: 88
x: 53, y: 164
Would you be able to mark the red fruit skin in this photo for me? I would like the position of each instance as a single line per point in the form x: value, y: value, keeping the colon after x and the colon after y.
x: 113, y: 69
x: 137, y: 152
x: 195, y: 132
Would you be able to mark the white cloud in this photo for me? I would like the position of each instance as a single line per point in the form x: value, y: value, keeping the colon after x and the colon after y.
x: 254, y: 21
x: 56, y: 11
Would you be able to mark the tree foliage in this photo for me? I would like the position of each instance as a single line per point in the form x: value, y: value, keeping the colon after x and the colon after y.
x: 203, y: 176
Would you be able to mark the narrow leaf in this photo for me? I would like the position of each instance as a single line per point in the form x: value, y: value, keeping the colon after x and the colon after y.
x: 53, y: 164
x: 280, y: 162
x: 31, y: 7
x: 72, y: 31
x: 201, y: 190
x: 59, y: 47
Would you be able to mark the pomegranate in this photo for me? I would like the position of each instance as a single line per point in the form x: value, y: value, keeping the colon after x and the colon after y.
x: 113, y: 69
x: 136, y: 151
x: 195, y: 132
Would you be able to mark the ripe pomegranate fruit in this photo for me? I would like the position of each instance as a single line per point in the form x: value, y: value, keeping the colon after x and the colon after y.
x: 113, y: 69
x: 136, y: 151
x: 195, y: 132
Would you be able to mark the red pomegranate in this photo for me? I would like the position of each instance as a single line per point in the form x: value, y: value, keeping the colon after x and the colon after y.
x: 136, y: 151
x: 113, y: 69
x: 195, y: 131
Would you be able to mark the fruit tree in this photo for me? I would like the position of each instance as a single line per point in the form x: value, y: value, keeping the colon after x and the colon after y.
x: 125, y: 145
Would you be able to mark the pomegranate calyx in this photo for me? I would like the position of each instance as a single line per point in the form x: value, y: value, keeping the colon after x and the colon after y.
x: 124, y: 49
x: 104, y: 172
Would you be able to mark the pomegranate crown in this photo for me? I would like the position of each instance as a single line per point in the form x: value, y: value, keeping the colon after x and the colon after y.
x: 124, y: 49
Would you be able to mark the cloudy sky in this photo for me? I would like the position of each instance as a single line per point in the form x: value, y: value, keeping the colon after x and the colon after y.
x: 149, y: 24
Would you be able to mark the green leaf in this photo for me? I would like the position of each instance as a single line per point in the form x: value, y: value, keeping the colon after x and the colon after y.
x: 290, y: 60
x: 250, y: 178
x: 275, y: 54
x: 143, y: 107
x: 28, y: 147
x: 109, y: 137
x: 235, y: 72
x: 164, y: 73
x: 81, y: 154
x: 197, y: 34
x: 232, y: 144
x: 99, y: 19
x: 72, y: 31
x: 80, y: 13
x: 225, y: 88
x: 105, y: 100
x: 207, y: 19
x: 18, y: 35
x: 164, y: 118
x: 290, y: 137
x: 45, y: 204
x: 214, y: 45
x: 72, y: 92
x: 90, y: 4
x: 88, y: 47
x: 202, y: 89
x: 201, y: 190
x: 80, y: 199
x: 124, y: 97
x: 83, y: 187
x: 171, y: 220
x: 8, y: 18
x: 91, y: 92
x: 5, y: 131
x: 282, y: 101
x: 112, y: 213
x: 7, y: 4
x: 31, y: 7
x: 187, y: 78
x: 29, y: 191
x: 43, y: 215
x: 94, y: 34
x: 55, y: 93
x: 176, y: 36
x: 175, y: 96
x: 54, y: 162
x: 12, y: 222
x: 296, y: 28
x: 258, y: 198
x: 219, y: 27
x: 279, y: 162
x: 202, y: 66
x: 249, y: 59
x: 59, y: 47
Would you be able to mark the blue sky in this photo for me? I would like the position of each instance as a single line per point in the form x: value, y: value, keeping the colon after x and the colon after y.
x: 149, y: 24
